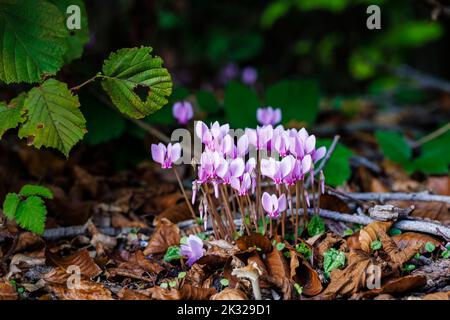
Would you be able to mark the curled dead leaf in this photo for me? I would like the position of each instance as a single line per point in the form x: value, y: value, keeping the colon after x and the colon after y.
x: 175, y: 214
x: 254, y: 240
x: 139, y: 261
x: 409, y: 239
x: 279, y: 273
x: 398, y: 285
x: 397, y: 255
x: 166, y: 234
x: 350, y: 280
x: 371, y: 232
x: 303, y: 274
x: 158, y: 293
x: 81, y: 258
x: 229, y: 294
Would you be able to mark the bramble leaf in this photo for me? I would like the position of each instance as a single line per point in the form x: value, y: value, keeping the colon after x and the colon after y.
x: 31, y: 214
x: 53, y: 117
x: 11, y: 115
x: 77, y: 38
x: 32, y: 40
x: 131, y: 69
x: 33, y: 190
x: 10, y: 205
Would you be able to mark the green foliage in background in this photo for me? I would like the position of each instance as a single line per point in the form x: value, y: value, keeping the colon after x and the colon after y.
x: 434, y: 155
x: 337, y: 170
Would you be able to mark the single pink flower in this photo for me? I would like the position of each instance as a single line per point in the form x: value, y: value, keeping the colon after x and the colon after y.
x: 259, y: 137
x: 166, y: 156
x: 242, y: 184
x: 277, y: 170
x: 234, y: 169
x: 182, y: 111
x: 273, y: 205
x: 266, y: 116
x: 193, y: 249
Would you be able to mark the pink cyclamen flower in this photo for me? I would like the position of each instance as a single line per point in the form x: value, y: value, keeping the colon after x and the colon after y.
x: 249, y: 75
x: 234, y: 169
x: 166, y: 156
x: 242, y: 185
x: 299, y: 169
x: 269, y: 115
x: 193, y: 249
x: 277, y: 170
x: 273, y: 205
x: 259, y: 137
x: 182, y: 111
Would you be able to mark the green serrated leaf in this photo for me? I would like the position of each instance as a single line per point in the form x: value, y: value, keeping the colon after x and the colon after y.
x: 316, y: 226
x: 10, y: 205
x: 77, y: 38
x: 11, y: 115
x: 53, y: 117
x: 33, y: 190
x: 130, y: 69
x: 32, y: 40
x: 241, y: 103
x: 31, y: 214
x: 298, y: 99
x: 394, y: 146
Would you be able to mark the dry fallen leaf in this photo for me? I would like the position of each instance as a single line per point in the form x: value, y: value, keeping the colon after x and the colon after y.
x: 229, y: 294
x: 254, y: 240
x: 175, y: 214
x: 188, y: 292
x: 397, y: 285
x: 7, y: 291
x: 371, y: 232
x: 82, y: 259
x: 350, y: 280
x: 88, y: 290
x: 279, y: 272
x: 303, y: 274
x: 437, y: 296
x: 128, y: 294
x: 166, y: 234
x: 409, y: 239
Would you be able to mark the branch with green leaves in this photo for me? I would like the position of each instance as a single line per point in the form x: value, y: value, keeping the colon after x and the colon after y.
x: 35, y: 44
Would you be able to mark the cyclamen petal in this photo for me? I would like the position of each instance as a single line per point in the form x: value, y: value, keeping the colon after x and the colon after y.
x: 266, y: 202
x: 158, y: 153
x: 242, y: 146
x: 193, y: 249
x: 282, y: 203
x: 182, y: 111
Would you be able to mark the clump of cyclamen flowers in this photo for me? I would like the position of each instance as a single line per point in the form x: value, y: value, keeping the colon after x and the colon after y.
x: 236, y: 171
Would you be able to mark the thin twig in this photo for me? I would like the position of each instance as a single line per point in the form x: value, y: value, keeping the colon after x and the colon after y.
x: 431, y: 136
x: 387, y: 196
